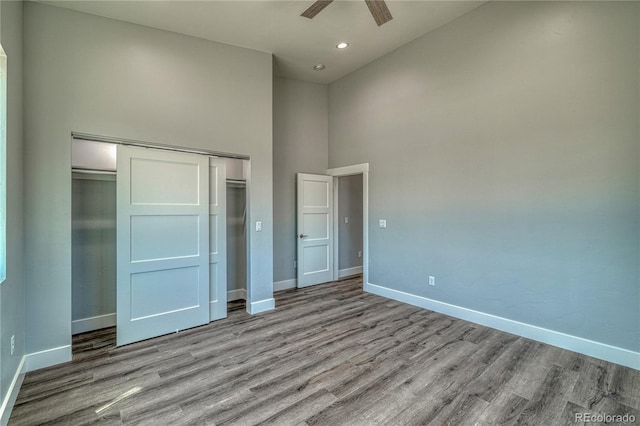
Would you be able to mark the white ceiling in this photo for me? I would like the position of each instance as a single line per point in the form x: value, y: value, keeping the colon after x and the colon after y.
x: 272, y: 26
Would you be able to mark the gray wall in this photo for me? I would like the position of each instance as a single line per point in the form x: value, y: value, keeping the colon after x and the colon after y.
x: 300, y: 137
x: 99, y: 76
x: 504, y: 155
x: 350, y: 205
x: 12, y: 320
x: 93, y: 259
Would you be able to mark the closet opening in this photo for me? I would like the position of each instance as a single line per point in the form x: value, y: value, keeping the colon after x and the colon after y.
x: 95, y: 237
x: 236, y: 244
x: 93, y: 245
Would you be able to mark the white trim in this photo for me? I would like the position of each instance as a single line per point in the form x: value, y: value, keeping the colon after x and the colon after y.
x: 261, y: 306
x: 47, y: 358
x: 336, y: 228
x: 349, y: 272
x: 248, y: 235
x: 555, y: 338
x: 93, y: 323
x: 365, y: 226
x: 355, y: 169
x: 238, y: 294
x: 285, y: 285
x: 3, y: 164
x: 348, y: 171
x: 12, y: 393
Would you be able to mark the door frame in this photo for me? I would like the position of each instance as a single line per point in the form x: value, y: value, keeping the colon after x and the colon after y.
x: 338, y: 172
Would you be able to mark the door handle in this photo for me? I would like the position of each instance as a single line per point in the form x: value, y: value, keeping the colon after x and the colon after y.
x: 303, y: 236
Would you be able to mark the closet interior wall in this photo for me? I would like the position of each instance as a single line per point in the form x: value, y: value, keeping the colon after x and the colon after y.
x: 93, y: 251
x: 236, y: 241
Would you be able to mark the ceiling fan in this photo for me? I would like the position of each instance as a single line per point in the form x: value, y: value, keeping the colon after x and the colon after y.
x: 378, y: 9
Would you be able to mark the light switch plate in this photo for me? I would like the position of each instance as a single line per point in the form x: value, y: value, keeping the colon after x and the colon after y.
x: 382, y: 223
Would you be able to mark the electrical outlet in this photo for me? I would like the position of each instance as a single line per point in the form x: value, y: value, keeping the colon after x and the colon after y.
x: 13, y: 344
x: 359, y: 253
x: 346, y: 219
x: 432, y: 280
x: 258, y: 226
x: 382, y: 223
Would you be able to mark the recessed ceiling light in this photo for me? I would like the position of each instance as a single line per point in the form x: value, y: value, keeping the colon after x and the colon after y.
x: 319, y: 67
x: 342, y: 45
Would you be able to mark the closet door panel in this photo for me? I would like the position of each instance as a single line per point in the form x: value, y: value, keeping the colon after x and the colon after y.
x: 217, y: 238
x: 162, y: 242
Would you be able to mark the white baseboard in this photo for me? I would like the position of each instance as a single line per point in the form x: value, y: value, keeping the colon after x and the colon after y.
x: 342, y: 273
x: 93, y: 323
x: 47, y: 358
x: 293, y: 283
x: 555, y: 338
x: 236, y: 295
x: 12, y: 393
x: 261, y: 306
x: 285, y: 285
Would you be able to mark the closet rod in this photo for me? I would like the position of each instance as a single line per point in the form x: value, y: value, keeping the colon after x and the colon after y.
x: 108, y: 139
x: 94, y: 172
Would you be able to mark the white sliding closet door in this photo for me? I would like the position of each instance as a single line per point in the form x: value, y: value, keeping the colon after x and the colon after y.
x: 163, y: 232
x: 218, y: 238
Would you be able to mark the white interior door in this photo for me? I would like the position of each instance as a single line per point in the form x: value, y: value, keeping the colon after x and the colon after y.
x: 162, y: 242
x: 315, y: 229
x: 217, y: 238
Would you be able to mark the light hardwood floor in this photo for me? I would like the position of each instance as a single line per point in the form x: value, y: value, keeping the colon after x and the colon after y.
x: 328, y: 355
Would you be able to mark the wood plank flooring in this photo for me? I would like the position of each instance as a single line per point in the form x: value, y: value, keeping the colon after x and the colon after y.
x: 328, y: 355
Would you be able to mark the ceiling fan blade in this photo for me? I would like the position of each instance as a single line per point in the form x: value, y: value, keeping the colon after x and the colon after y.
x: 315, y: 8
x: 379, y: 10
